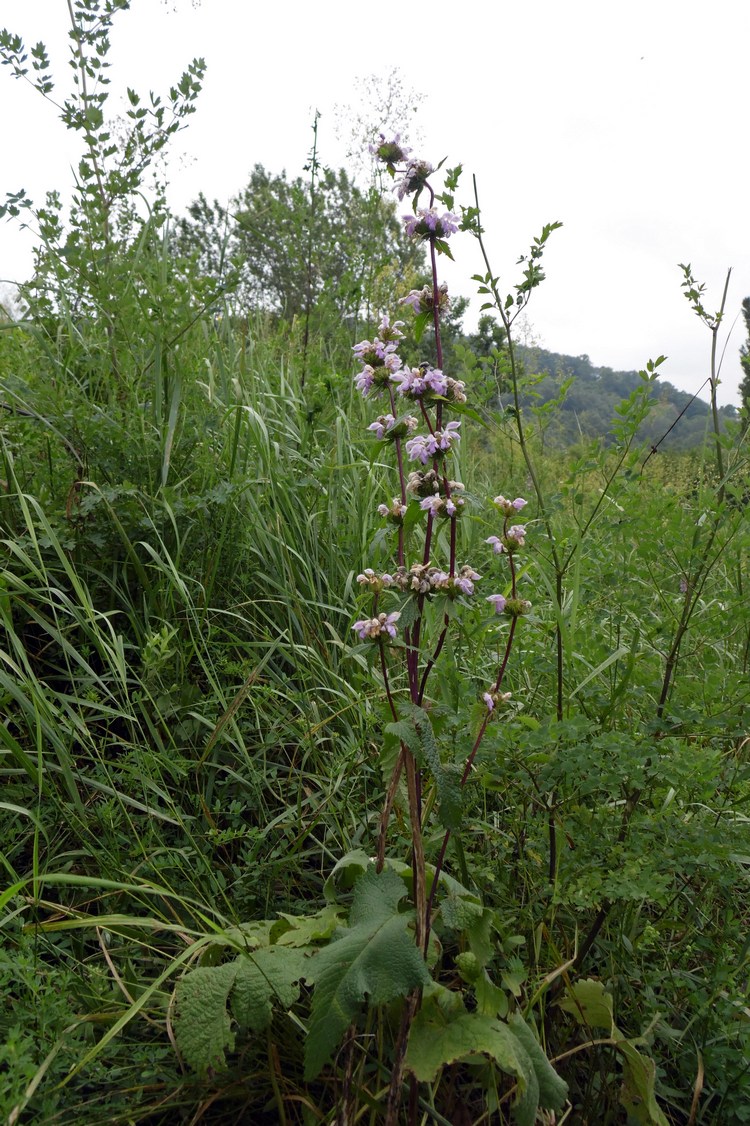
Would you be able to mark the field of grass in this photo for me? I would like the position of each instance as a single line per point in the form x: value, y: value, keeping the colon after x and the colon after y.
x: 192, y: 740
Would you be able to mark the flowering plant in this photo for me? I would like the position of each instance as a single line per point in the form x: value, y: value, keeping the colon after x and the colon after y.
x: 369, y: 946
x: 399, y: 625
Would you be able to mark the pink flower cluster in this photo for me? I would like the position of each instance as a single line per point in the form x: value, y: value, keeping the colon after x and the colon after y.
x: 423, y: 578
x: 388, y: 426
x: 496, y: 699
x: 390, y: 152
x: 414, y: 178
x: 427, y: 382
x: 378, y: 357
x: 514, y: 538
x: 425, y: 447
x: 372, y: 629
x: 442, y: 506
x: 509, y: 507
x: 426, y: 223
x: 394, y: 512
x: 423, y: 300
x: 424, y: 484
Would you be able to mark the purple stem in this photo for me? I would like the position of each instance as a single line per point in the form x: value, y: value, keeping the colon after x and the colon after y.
x: 464, y: 777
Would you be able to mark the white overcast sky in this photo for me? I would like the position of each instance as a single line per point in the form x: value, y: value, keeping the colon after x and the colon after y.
x: 628, y: 122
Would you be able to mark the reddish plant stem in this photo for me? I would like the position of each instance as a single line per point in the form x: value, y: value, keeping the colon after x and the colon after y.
x: 430, y: 664
x: 464, y: 777
x: 402, y: 482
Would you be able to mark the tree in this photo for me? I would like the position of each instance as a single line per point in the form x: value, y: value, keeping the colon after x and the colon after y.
x: 278, y: 244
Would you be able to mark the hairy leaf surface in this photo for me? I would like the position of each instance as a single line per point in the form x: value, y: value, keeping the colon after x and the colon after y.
x: 201, y: 1023
x: 268, y: 976
x: 375, y: 959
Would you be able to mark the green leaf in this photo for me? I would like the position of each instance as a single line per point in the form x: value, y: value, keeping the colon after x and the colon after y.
x: 590, y: 1004
x: 420, y: 323
x: 201, y: 1023
x: 491, y: 1000
x: 266, y: 977
x: 254, y: 983
x: 469, y: 917
x: 346, y: 872
x: 553, y: 1090
x: 513, y: 976
x: 637, y: 1092
x: 437, y: 1040
x: 298, y: 932
x: 469, y: 412
x: 592, y: 1007
x: 410, y: 608
x: 406, y: 733
x: 447, y: 779
x: 374, y: 960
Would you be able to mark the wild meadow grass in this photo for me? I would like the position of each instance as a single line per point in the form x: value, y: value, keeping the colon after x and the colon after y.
x: 191, y: 744
x: 267, y: 855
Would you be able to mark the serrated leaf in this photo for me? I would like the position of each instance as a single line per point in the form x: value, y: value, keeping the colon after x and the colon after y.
x: 406, y: 733
x: 409, y: 608
x: 590, y: 1004
x: 447, y: 778
x: 471, y: 919
x: 513, y: 976
x: 460, y: 912
x: 201, y: 1022
x: 436, y: 1041
x: 491, y: 1000
x: 245, y: 936
x: 270, y: 976
x: 374, y: 960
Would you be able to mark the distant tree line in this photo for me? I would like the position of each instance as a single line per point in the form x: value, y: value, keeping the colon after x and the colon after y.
x: 323, y: 250
x: 587, y: 405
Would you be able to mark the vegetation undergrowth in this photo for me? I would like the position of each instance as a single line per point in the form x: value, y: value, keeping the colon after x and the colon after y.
x: 338, y: 787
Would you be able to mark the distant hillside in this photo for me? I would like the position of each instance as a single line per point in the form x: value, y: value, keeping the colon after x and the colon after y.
x: 589, y: 405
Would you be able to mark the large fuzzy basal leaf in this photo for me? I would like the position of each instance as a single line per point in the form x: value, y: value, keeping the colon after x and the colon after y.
x: 250, y: 986
x: 375, y: 959
x: 266, y: 978
x: 200, y: 1021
